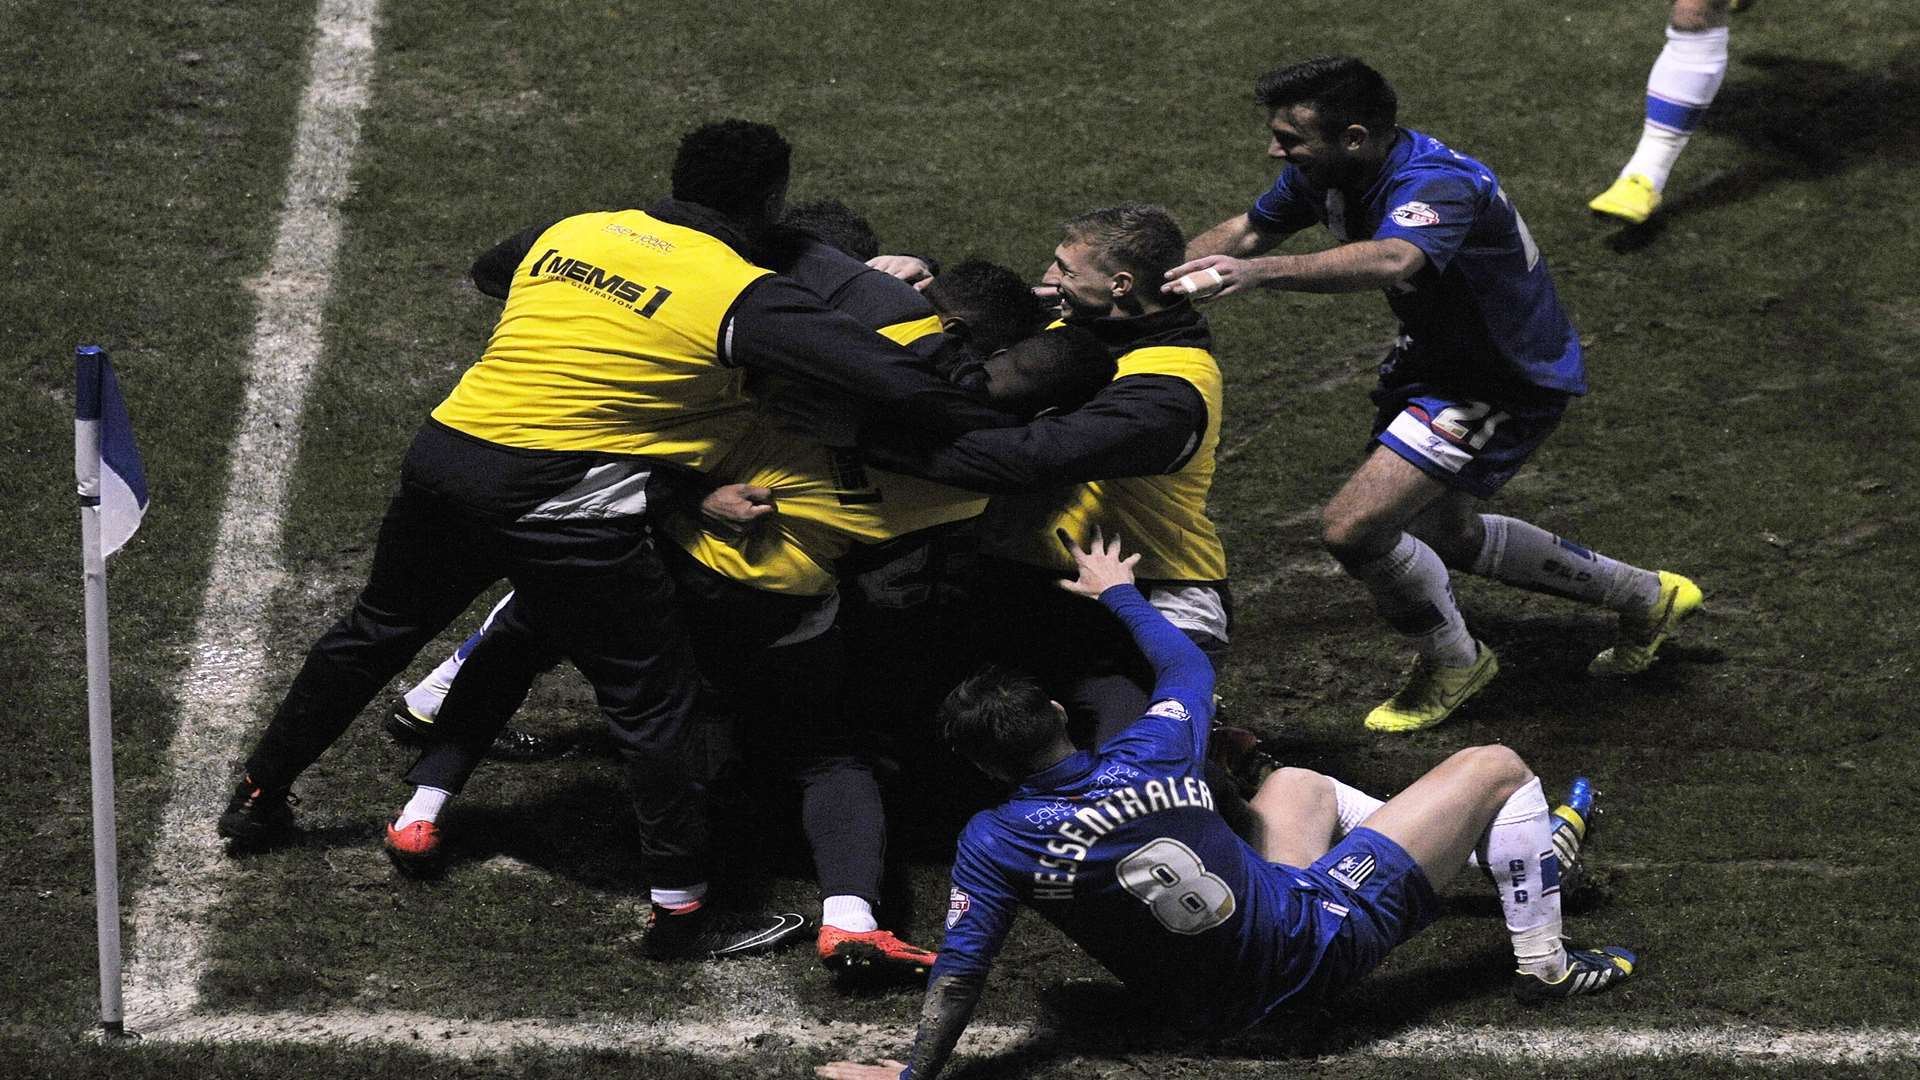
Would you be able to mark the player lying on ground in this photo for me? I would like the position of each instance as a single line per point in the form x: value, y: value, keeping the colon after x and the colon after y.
x: 1121, y: 850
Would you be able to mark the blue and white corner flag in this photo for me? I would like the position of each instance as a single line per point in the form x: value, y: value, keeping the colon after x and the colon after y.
x: 105, y: 461
x: 113, y: 498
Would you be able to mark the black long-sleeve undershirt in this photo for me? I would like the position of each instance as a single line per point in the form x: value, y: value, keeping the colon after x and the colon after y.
x: 1140, y: 425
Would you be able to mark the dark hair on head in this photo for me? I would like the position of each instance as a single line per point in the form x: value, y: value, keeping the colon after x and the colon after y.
x: 999, y: 719
x: 733, y: 166
x: 1058, y: 369
x: 834, y: 223
x: 1140, y: 238
x: 1339, y: 89
x: 998, y: 304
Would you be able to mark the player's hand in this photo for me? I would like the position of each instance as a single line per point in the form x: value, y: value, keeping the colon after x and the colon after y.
x: 888, y: 1069
x: 914, y: 271
x: 1100, y: 563
x: 734, y: 509
x: 1209, y: 277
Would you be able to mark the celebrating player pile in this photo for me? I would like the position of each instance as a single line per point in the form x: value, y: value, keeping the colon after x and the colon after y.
x: 678, y: 477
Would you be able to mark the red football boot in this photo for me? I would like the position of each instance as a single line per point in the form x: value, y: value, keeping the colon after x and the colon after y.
x: 874, y: 953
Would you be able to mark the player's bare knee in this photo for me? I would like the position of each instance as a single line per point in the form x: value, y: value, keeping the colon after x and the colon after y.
x: 1296, y: 788
x: 1497, y: 766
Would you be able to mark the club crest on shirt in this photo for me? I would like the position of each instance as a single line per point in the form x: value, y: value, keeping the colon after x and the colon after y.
x: 1414, y: 214
x: 1352, y: 870
x: 1170, y: 709
x: 957, y: 905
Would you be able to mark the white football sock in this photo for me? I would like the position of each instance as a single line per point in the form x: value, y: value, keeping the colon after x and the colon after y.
x: 1517, y: 849
x: 849, y: 913
x: 1679, y: 88
x: 426, y: 804
x: 1411, y: 591
x: 1530, y: 557
x: 1351, y: 806
x: 678, y: 898
x: 426, y: 695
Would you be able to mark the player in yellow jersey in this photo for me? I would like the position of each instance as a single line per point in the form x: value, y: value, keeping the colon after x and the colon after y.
x: 1136, y: 461
x: 613, y: 376
x: 761, y: 607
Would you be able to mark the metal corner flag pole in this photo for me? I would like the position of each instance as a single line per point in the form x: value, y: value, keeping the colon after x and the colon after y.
x: 90, y: 373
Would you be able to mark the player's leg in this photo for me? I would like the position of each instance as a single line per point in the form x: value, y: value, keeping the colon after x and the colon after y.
x: 420, y: 704
x: 489, y: 688
x: 1650, y: 603
x: 841, y: 809
x: 1296, y: 815
x: 428, y: 565
x: 1682, y: 84
x: 1364, y: 527
x: 621, y: 630
x: 410, y: 719
x: 1484, y: 799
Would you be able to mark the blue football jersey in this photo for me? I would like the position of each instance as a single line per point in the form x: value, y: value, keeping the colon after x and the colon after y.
x: 1483, y: 313
x: 1122, y: 850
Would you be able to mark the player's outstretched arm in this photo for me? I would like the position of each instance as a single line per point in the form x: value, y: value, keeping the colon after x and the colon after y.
x: 1238, y: 236
x: 1358, y: 267
x: 1101, y: 567
x: 944, y: 1014
x: 1180, y: 669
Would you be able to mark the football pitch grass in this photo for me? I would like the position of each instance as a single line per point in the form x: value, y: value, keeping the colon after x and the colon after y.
x: 1751, y: 424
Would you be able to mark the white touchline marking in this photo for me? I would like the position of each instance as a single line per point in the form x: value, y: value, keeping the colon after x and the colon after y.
x: 219, y: 697
x: 733, y: 1039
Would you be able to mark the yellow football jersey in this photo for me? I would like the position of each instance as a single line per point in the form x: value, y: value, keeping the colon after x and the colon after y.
x: 1164, y: 517
x: 610, y: 343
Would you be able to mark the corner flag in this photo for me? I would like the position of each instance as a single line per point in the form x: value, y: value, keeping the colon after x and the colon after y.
x: 106, y: 462
x: 113, y: 497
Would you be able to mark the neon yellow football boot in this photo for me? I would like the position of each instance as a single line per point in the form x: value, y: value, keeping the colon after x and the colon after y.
x: 1433, y: 691
x: 1641, y: 635
x: 1632, y: 199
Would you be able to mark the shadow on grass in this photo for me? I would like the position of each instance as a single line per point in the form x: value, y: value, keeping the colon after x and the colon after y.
x: 1809, y: 119
x: 1100, y: 1019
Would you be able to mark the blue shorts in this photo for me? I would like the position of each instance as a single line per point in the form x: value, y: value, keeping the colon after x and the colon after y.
x: 1473, y: 445
x: 1387, y: 899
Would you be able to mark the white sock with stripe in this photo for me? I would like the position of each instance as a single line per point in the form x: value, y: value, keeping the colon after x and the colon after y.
x: 1681, y: 85
x: 1412, y: 592
x: 1517, y: 849
x: 1530, y: 557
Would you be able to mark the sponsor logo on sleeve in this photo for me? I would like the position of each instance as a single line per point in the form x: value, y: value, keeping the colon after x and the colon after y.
x: 957, y: 905
x: 1413, y: 215
x: 1171, y: 709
